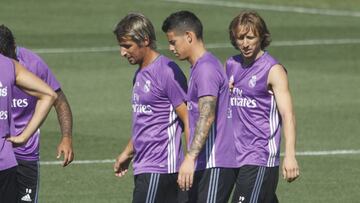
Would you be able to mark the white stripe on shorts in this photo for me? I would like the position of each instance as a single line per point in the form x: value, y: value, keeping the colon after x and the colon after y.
x: 154, y: 182
x: 213, y: 185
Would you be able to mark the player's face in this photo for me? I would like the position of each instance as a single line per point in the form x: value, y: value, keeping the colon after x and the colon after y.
x: 248, y: 43
x: 178, y: 45
x: 131, y: 51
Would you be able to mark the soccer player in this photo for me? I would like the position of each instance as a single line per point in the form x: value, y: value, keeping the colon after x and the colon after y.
x: 211, y: 152
x: 262, y: 104
x: 159, y: 112
x: 11, y: 74
x: 23, y: 106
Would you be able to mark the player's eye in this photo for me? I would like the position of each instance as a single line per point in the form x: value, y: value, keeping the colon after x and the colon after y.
x: 126, y: 46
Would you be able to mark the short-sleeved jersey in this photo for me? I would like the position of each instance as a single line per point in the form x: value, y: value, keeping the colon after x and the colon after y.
x: 208, y: 78
x: 256, y: 121
x: 23, y: 105
x: 7, y: 81
x: 158, y: 90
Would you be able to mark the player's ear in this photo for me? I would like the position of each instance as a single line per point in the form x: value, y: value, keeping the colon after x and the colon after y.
x: 189, y: 36
x: 146, y: 42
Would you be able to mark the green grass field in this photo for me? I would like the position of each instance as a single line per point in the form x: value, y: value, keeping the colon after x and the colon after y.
x: 324, y: 78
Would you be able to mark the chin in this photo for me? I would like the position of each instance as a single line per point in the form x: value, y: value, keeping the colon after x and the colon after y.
x: 181, y: 58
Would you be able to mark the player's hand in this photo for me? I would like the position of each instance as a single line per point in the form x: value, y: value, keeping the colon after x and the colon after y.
x: 17, y: 141
x: 121, y: 165
x: 65, y: 147
x: 186, y: 173
x: 290, y: 169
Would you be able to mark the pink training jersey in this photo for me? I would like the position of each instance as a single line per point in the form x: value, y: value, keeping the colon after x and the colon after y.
x: 23, y: 105
x: 7, y: 81
x: 156, y: 130
x: 256, y: 121
x: 208, y: 78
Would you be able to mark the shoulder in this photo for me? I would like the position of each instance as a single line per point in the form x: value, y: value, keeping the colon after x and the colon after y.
x: 26, y: 54
x: 232, y: 63
x: 209, y: 64
x: 167, y: 67
x: 277, y: 74
x: 32, y: 61
x: 272, y: 61
x: 236, y: 59
x: 7, y: 65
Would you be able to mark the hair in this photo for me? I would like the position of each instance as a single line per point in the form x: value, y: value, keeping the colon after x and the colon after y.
x: 7, y: 42
x: 136, y: 27
x: 183, y: 21
x: 250, y: 20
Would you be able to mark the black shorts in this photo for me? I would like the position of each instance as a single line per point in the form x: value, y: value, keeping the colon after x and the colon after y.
x: 211, y: 186
x: 155, y: 187
x: 28, y: 181
x: 8, y: 185
x: 256, y: 184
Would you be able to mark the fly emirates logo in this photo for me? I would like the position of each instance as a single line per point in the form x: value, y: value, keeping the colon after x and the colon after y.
x: 3, y: 90
x: 19, y: 103
x: 140, y: 108
x: 238, y: 100
x: 3, y: 93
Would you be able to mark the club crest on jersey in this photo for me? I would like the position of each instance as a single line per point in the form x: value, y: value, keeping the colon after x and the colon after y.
x: 189, y: 106
x: 147, y: 86
x: 252, y: 81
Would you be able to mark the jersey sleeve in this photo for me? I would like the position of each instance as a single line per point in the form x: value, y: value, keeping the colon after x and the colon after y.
x: 208, y: 81
x: 46, y: 75
x: 175, y: 85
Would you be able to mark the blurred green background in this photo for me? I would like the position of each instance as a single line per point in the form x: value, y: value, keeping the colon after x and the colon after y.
x: 321, y: 58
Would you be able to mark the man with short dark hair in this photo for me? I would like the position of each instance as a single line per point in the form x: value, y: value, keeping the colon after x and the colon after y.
x: 211, y: 150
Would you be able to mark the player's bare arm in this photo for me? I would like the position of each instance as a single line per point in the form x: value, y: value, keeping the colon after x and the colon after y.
x: 207, y: 107
x: 64, y: 115
x: 182, y: 112
x: 123, y: 160
x: 278, y: 82
x: 45, y: 95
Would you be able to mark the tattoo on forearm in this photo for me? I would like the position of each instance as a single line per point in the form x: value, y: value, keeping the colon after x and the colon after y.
x: 207, y: 107
x: 64, y: 114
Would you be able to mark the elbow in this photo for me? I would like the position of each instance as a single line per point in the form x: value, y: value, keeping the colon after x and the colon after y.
x: 52, y: 97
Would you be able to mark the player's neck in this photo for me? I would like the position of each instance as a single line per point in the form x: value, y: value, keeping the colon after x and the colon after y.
x: 250, y: 60
x: 197, y: 52
x: 150, y: 56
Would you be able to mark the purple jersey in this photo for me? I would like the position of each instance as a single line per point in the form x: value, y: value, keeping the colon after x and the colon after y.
x: 208, y: 78
x: 255, y: 115
x: 23, y: 105
x: 7, y: 81
x: 156, y: 131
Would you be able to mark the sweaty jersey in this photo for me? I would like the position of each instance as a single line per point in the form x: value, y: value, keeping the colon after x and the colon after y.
x: 7, y: 81
x: 156, y: 129
x: 208, y: 78
x: 23, y: 105
x: 256, y: 121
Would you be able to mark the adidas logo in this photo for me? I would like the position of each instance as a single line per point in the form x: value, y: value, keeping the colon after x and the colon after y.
x: 241, y: 199
x: 27, y: 198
